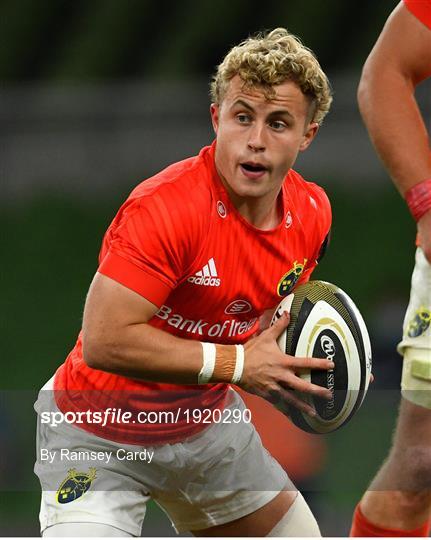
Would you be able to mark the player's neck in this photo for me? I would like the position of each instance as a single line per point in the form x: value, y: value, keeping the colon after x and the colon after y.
x: 263, y: 212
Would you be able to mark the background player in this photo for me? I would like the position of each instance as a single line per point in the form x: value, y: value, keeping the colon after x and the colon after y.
x: 189, y: 264
x: 398, y: 501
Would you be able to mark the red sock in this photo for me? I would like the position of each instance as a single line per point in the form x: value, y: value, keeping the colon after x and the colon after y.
x: 362, y: 527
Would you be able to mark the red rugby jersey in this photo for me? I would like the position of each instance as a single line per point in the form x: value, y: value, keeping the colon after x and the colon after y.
x: 421, y: 9
x: 179, y: 242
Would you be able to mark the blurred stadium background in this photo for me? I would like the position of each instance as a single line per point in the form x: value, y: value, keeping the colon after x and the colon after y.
x: 96, y: 95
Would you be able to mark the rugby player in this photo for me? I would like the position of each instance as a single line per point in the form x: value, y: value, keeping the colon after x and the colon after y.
x: 192, y: 261
x: 398, y: 501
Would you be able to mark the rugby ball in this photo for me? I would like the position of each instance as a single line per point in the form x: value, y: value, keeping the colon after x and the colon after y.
x: 325, y: 323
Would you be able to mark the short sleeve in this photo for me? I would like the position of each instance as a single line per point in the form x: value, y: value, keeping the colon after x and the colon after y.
x: 146, y: 248
x: 421, y: 9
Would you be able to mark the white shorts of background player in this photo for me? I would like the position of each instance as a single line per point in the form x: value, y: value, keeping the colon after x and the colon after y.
x: 416, y: 343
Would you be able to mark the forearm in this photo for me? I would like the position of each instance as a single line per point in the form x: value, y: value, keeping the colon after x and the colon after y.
x: 141, y: 351
x: 395, y: 124
x: 118, y: 338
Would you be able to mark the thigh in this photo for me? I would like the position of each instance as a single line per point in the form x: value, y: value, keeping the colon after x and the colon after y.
x: 258, y: 523
x: 413, y: 427
x: 408, y: 468
x: 228, y: 475
x: 83, y: 530
x: 82, y: 481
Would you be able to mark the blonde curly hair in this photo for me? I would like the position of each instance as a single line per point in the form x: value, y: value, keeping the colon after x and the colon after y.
x: 271, y: 58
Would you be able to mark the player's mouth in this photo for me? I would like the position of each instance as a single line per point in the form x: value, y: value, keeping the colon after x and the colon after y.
x: 253, y: 169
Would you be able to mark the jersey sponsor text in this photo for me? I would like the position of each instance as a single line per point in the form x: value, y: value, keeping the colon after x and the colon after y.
x: 227, y: 328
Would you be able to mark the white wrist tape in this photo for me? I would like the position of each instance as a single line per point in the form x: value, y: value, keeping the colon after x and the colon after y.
x: 239, y: 366
x: 208, y: 362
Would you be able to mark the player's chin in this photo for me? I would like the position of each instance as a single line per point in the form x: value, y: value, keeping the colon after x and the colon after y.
x: 245, y: 187
x: 248, y: 192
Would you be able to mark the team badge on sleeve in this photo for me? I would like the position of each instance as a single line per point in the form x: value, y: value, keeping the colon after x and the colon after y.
x: 75, y: 485
x: 290, y: 278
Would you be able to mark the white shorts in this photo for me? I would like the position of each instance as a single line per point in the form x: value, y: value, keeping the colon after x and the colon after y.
x: 215, y: 477
x: 416, y: 343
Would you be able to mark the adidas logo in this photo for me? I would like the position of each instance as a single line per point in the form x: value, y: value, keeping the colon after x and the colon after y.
x: 207, y: 276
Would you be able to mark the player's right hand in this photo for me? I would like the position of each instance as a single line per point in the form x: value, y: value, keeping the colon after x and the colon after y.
x: 273, y: 375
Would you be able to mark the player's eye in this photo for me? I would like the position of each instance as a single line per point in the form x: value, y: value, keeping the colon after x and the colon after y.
x: 277, y: 125
x: 243, y: 118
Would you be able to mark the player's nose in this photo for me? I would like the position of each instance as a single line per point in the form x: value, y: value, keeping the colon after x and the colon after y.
x: 256, y: 136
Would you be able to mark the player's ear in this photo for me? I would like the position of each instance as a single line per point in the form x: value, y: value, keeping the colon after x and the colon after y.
x: 214, y: 111
x: 310, y: 132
